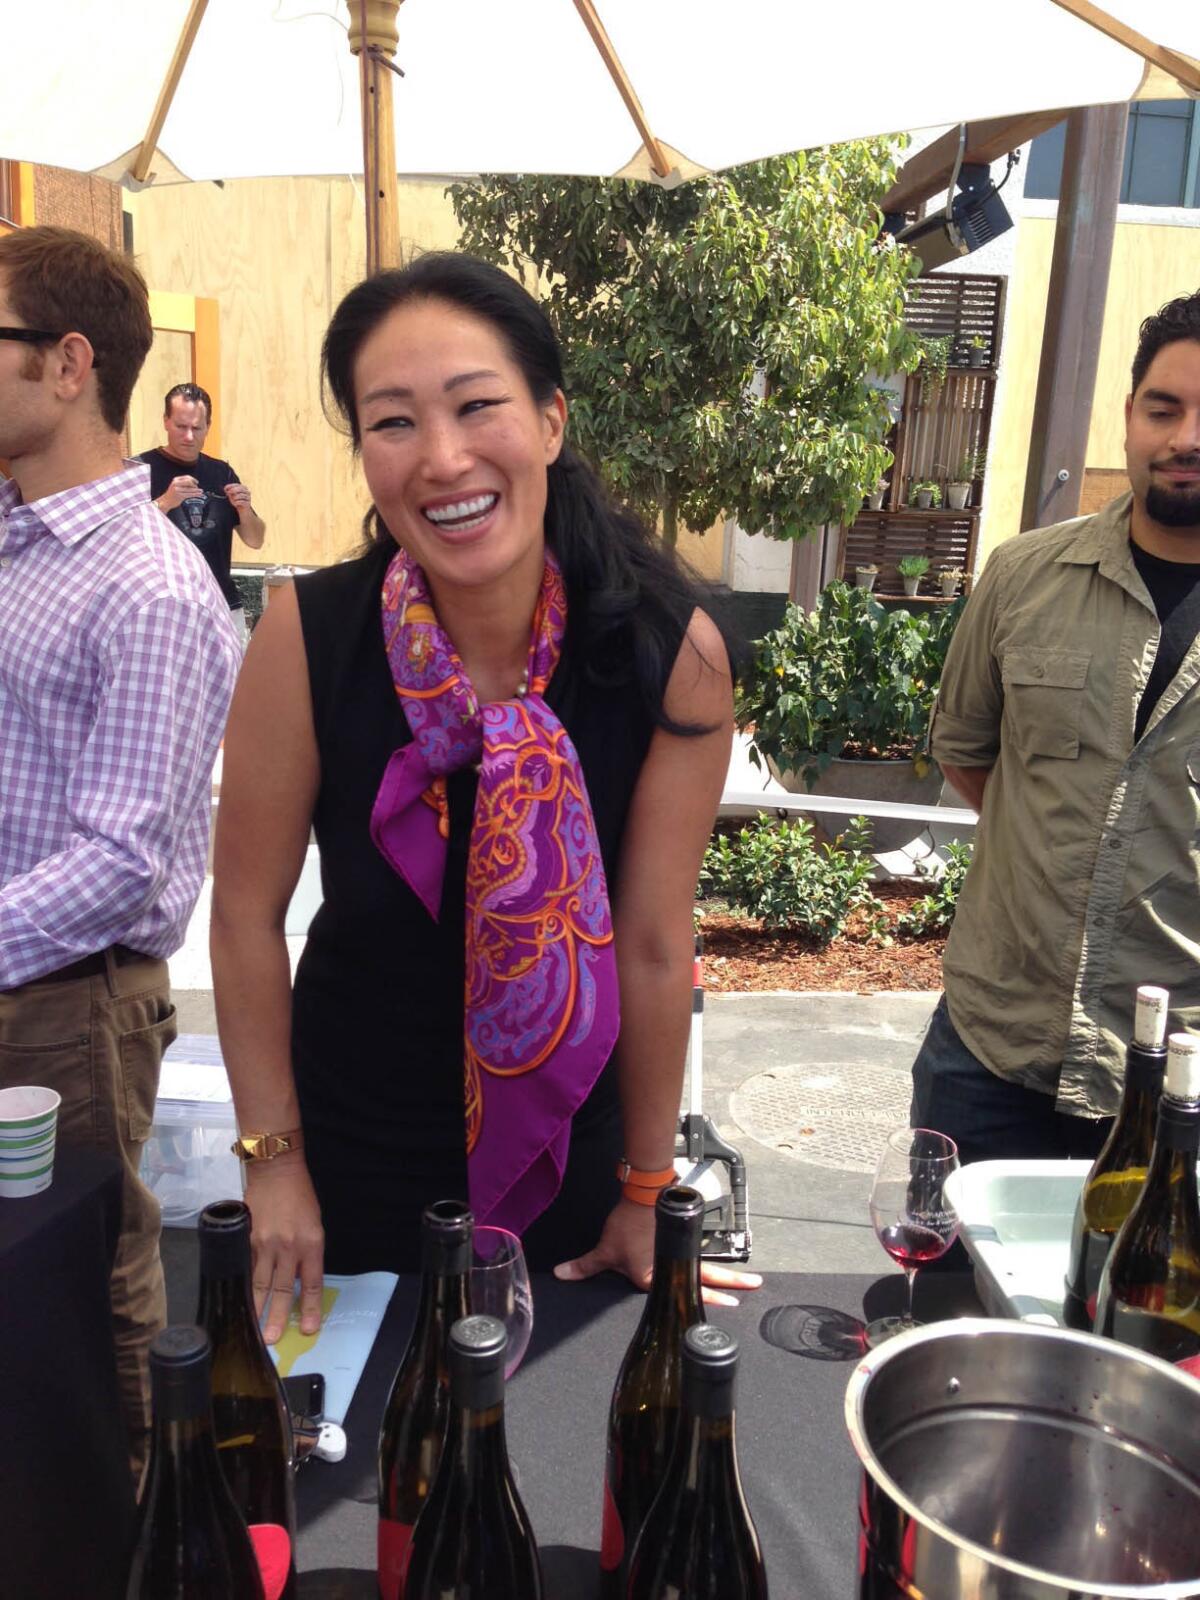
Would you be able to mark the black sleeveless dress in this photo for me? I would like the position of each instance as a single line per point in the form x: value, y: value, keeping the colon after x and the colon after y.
x: 377, y: 1004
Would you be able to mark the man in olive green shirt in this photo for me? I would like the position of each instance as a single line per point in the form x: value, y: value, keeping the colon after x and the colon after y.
x: 1069, y: 715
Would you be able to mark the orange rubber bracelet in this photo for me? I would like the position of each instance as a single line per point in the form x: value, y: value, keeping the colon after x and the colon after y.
x: 643, y: 1188
x: 645, y: 1180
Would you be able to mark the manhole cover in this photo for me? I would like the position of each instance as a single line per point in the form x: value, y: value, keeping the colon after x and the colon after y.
x: 828, y: 1115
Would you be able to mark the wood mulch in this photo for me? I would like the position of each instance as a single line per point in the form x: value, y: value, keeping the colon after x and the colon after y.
x: 740, y: 956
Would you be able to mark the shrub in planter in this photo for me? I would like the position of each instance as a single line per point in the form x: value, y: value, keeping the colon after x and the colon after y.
x: 774, y: 871
x: 848, y: 681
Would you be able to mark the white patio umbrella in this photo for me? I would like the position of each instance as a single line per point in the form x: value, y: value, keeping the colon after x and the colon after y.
x: 270, y: 89
x: 608, y: 87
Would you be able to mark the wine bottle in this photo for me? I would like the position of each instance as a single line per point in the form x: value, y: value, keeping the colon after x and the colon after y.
x: 418, y: 1407
x: 473, y: 1540
x: 699, y: 1541
x: 1119, y: 1171
x: 1150, y: 1289
x: 192, y: 1543
x: 644, y: 1416
x: 251, y: 1419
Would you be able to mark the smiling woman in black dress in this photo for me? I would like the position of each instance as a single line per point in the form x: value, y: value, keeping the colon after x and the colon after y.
x: 450, y: 381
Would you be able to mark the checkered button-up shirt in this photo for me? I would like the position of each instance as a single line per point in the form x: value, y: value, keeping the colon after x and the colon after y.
x: 117, y: 663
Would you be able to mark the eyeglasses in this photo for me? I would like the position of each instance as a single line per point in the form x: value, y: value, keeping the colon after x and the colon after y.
x: 38, y: 336
x: 30, y: 335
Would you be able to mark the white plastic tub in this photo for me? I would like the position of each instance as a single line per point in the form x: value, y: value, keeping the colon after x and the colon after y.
x: 1016, y: 1221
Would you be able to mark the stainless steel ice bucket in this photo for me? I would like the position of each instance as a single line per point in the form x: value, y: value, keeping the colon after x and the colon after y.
x: 1004, y: 1461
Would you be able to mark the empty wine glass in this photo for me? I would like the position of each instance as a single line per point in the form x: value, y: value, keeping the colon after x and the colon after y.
x: 913, y: 1219
x: 500, y: 1288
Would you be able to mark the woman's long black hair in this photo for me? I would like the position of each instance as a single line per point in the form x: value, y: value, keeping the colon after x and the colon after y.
x: 629, y: 598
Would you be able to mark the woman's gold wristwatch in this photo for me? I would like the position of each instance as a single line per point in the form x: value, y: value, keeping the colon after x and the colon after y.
x: 266, y: 1146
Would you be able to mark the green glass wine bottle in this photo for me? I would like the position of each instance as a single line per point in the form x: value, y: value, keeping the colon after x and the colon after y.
x: 418, y: 1408
x: 473, y: 1539
x: 251, y: 1419
x: 1119, y: 1171
x: 699, y: 1541
x: 192, y: 1542
x: 1150, y: 1289
x: 644, y: 1415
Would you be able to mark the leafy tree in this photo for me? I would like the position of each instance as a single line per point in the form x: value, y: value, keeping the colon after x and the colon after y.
x: 718, y: 336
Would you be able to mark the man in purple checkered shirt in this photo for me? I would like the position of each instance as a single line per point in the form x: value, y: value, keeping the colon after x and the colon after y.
x: 117, y: 662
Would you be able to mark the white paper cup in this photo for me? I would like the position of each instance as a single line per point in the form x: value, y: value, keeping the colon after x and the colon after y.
x: 28, y: 1125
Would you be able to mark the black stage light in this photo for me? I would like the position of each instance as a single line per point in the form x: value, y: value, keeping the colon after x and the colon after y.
x: 972, y: 219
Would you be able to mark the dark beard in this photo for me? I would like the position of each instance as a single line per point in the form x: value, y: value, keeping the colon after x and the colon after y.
x: 1173, y: 508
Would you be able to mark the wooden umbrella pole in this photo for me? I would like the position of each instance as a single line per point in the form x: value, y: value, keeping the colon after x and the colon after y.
x: 1170, y: 61
x: 141, y: 162
x: 659, y: 162
x: 374, y: 35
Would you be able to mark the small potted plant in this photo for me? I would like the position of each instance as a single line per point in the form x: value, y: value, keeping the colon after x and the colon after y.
x: 875, y: 498
x: 912, y: 569
x: 950, y: 578
x: 977, y: 352
x: 864, y: 577
x: 933, y: 365
x: 925, y: 494
x: 958, y: 490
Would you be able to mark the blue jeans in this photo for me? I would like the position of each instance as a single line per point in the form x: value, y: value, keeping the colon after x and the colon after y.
x: 988, y: 1117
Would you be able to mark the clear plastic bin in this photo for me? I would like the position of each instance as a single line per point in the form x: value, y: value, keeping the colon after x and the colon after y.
x: 187, y: 1162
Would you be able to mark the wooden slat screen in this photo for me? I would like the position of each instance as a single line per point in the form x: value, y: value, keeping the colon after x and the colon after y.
x: 939, y: 425
x: 881, y: 538
x: 961, y: 306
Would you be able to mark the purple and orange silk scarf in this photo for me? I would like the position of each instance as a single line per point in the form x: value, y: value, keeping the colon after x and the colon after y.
x: 542, y: 1008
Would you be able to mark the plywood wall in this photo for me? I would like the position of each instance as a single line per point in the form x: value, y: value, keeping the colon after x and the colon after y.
x: 169, y: 363
x: 1151, y: 264
x: 276, y: 255
x: 705, y: 552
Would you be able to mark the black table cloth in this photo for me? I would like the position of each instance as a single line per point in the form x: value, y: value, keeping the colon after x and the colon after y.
x: 66, y: 1495
x: 798, y: 1336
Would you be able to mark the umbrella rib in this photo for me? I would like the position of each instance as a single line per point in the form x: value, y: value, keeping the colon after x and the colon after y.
x: 166, y: 94
x: 620, y: 77
x: 1158, y: 55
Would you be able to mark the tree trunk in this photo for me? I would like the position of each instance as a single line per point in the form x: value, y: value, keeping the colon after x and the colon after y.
x: 670, y: 521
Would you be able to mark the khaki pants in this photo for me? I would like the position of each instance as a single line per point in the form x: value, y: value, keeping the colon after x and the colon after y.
x: 98, y: 1041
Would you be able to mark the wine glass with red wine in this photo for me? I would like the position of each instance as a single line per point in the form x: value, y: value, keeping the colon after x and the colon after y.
x: 913, y: 1218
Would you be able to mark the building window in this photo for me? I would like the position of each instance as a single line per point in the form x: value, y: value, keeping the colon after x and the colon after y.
x: 1162, y: 156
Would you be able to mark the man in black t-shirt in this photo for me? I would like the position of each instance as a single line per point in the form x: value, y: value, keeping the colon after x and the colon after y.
x: 201, y: 495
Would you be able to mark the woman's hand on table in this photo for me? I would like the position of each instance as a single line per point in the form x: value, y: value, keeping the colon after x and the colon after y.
x: 627, y: 1246
x: 286, y: 1241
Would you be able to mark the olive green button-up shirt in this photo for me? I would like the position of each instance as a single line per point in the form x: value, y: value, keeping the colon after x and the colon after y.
x: 1086, y: 875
